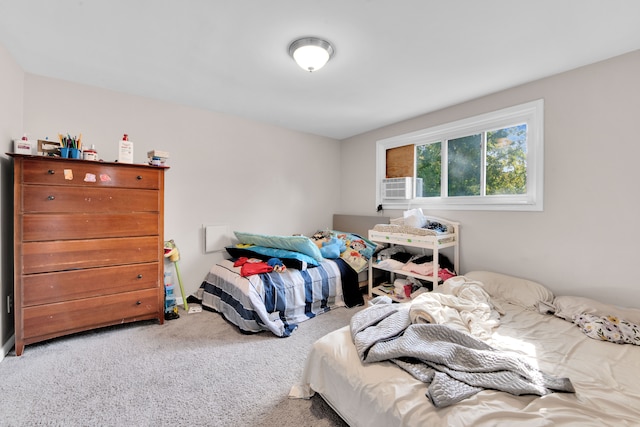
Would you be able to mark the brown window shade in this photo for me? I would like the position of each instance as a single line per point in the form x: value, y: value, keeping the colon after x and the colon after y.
x: 400, y: 161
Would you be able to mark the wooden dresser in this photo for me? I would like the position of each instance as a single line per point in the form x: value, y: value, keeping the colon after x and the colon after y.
x: 88, y: 240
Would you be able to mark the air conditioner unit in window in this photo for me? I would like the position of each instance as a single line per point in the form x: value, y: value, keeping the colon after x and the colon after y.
x: 397, y: 188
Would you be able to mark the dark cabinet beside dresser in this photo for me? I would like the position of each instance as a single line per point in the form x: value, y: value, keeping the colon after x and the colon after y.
x: 88, y: 246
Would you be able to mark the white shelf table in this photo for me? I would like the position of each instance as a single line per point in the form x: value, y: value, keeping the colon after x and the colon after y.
x: 433, y: 242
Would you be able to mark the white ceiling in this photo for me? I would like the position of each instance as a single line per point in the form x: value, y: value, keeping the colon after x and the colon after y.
x: 395, y: 59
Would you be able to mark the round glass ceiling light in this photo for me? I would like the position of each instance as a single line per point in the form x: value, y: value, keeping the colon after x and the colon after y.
x: 311, y: 53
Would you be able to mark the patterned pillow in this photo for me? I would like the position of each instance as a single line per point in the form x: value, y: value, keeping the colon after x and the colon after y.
x: 608, y: 328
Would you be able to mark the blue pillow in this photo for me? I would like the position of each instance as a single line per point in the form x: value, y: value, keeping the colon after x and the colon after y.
x: 300, y: 244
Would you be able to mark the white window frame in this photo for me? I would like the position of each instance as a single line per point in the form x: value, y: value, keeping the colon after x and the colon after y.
x: 530, y: 113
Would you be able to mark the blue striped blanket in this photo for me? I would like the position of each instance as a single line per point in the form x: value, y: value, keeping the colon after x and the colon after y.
x: 275, y: 302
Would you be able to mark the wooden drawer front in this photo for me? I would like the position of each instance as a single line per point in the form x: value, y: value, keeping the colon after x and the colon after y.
x: 35, y: 171
x: 64, y: 317
x: 64, y: 226
x: 38, y: 198
x: 70, y: 285
x: 43, y: 257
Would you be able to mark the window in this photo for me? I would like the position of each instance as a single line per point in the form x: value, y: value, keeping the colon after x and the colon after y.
x: 489, y: 162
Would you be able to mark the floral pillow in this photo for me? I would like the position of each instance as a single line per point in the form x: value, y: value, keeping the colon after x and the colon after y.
x: 608, y: 328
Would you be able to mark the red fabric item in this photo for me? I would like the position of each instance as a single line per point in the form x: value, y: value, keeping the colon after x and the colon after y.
x: 240, y: 261
x: 244, y: 260
x: 250, y: 268
x: 445, y: 274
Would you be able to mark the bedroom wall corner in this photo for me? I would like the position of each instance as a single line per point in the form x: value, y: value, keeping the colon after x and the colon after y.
x: 11, y: 127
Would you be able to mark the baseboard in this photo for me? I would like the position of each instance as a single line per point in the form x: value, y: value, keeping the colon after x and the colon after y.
x: 6, y: 347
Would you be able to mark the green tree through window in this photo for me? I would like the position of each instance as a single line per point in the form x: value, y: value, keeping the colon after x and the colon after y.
x: 464, y: 166
x: 428, y: 165
x: 507, y: 161
x: 505, y: 164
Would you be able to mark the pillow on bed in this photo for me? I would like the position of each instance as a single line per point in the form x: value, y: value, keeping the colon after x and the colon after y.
x: 568, y: 307
x: 608, y: 328
x: 515, y: 290
x: 290, y: 259
x: 300, y: 244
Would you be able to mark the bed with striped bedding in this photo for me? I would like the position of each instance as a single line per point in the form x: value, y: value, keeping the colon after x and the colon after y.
x: 277, y: 301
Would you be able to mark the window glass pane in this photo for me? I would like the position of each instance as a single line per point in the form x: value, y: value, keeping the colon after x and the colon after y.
x: 464, y: 165
x: 428, y: 166
x: 507, y: 161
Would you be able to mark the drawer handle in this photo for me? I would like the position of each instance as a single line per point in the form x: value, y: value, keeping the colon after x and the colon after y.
x: 139, y: 276
x: 138, y: 302
x: 51, y: 197
x: 139, y: 177
x: 52, y: 172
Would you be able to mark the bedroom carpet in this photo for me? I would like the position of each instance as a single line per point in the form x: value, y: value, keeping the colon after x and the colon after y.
x: 197, y: 370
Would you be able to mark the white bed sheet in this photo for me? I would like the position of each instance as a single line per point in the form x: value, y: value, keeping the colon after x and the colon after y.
x: 606, y: 377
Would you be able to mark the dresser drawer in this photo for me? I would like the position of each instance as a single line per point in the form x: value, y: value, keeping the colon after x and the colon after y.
x: 65, y: 226
x: 90, y: 174
x: 42, y: 257
x: 48, y: 321
x: 48, y: 288
x: 56, y: 198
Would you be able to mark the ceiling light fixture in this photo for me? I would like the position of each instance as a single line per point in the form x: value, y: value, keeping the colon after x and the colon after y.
x: 311, y: 53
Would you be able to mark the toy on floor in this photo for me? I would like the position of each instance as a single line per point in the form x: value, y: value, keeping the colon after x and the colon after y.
x: 173, y: 254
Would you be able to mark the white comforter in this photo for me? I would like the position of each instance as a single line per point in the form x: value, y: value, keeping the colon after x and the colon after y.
x: 459, y: 303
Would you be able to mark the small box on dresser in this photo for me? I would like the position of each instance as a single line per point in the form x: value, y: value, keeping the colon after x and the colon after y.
x: 88, y: 246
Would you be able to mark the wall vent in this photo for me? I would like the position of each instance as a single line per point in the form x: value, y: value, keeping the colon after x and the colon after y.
x: 397, y: 188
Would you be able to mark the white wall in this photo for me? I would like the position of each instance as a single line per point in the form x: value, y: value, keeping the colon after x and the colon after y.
x: 11, y: 84
x: 223, y: 169
x: 586, y: 240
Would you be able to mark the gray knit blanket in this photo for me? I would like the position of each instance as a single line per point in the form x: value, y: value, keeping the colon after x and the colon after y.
x: 455, y: 365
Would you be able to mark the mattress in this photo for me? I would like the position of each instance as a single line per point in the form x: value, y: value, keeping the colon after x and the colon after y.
x: 604, y: 374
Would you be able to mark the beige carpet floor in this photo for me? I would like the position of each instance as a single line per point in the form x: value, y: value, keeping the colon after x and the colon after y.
x: 198, y: 370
